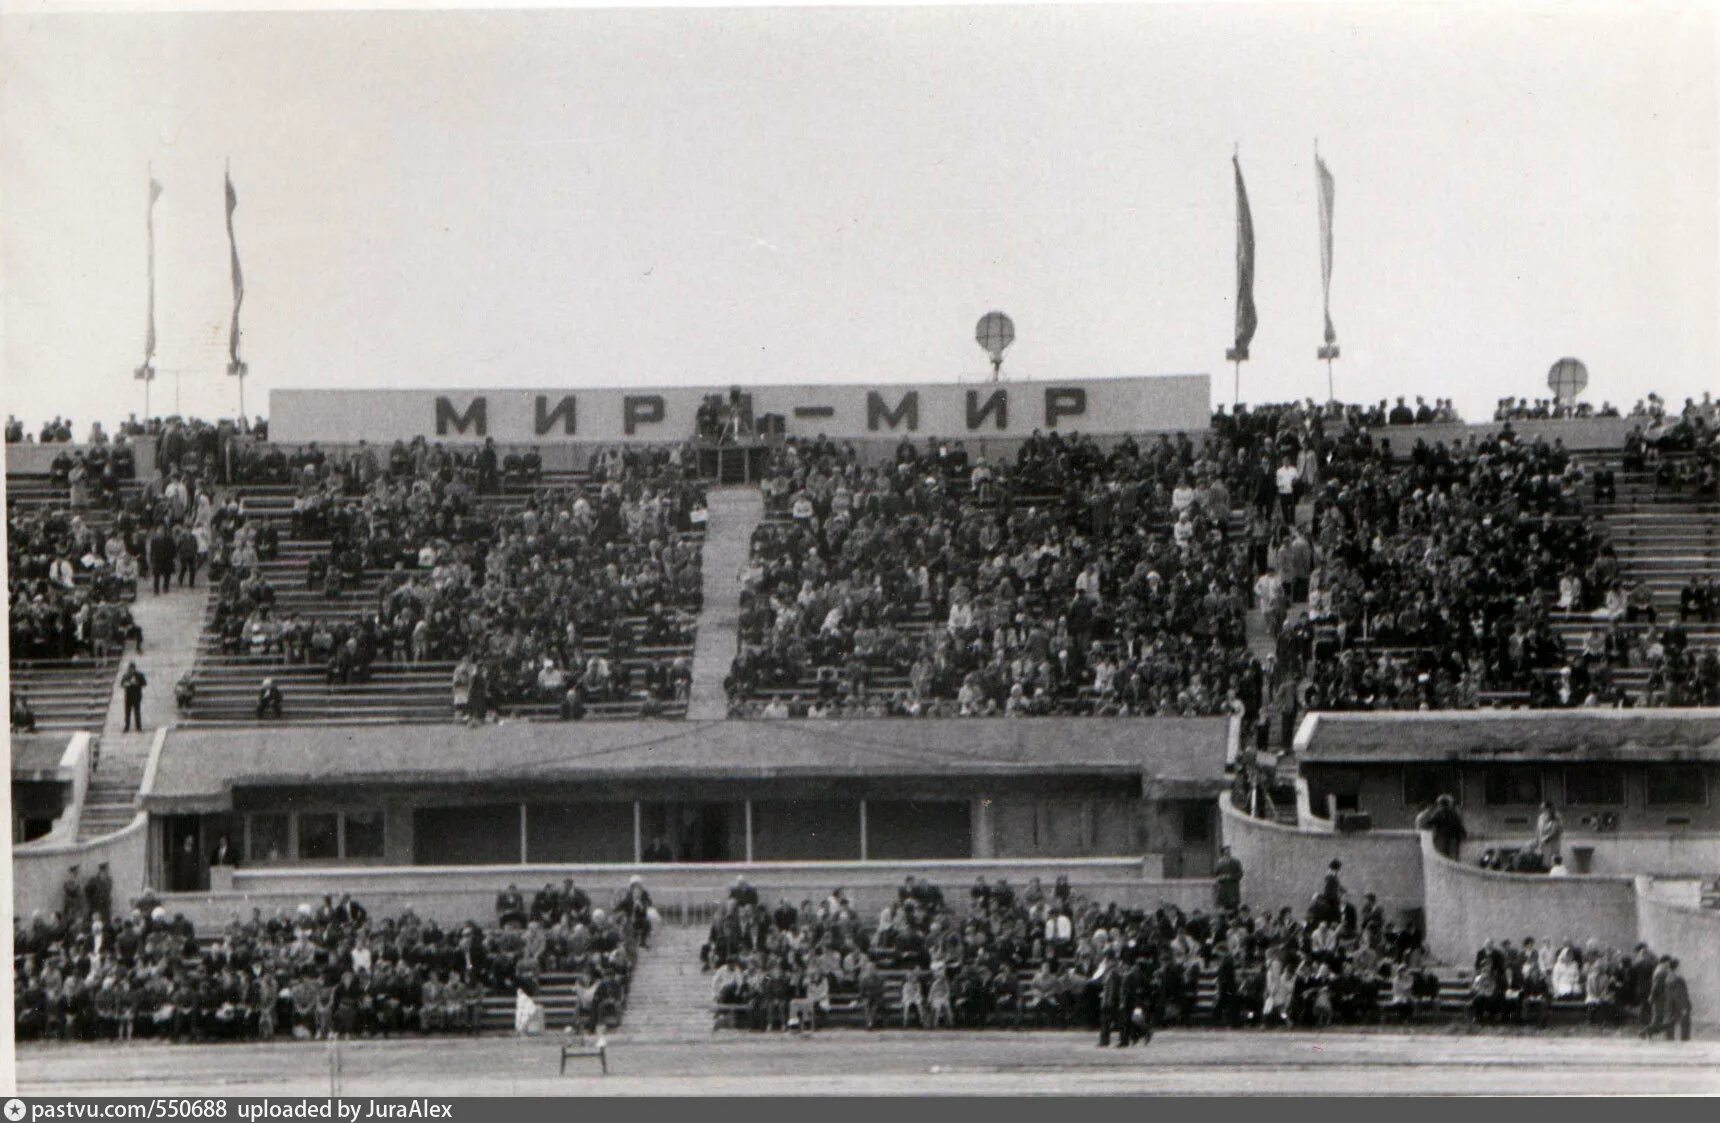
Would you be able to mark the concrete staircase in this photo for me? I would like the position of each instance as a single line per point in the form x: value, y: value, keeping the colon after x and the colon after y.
x: 1662, y: 538
x: 671, y: 997
x: 110, y: 802
x: 734, y: 513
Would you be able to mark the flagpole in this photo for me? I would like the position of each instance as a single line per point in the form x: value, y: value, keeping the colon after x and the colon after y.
x: 236, y: 366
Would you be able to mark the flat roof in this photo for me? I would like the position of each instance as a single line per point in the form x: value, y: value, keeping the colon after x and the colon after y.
x: 199, y: 767
x: 1519, y: 735
x: 36, y: 756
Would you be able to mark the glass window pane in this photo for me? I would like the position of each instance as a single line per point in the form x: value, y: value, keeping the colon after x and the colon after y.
x: 364, y: 834
x: 1513, y: 784
x: 1675, y: 784
x: 1425, y: 783
x: 268, y: 838
x: 1596, y: 785
x: 318, y: 836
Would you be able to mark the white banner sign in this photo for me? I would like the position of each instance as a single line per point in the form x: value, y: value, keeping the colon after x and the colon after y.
x: 1097, y: 406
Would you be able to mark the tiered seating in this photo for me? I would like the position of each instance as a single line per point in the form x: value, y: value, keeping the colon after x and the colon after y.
x: 1664, y: 538
x: 226, y: 682
x: 1455, y: 1001
x: 1063, y: 504
x: 66, y: 693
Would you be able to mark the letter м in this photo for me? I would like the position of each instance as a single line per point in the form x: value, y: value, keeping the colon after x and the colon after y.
x: 475, y: 417
x: 907, y: 410
x: 565, y: 410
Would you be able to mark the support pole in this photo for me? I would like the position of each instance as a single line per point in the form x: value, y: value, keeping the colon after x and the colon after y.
x: 1329, y: 352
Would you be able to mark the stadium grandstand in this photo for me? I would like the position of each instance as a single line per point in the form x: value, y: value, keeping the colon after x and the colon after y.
x: 978, y: 705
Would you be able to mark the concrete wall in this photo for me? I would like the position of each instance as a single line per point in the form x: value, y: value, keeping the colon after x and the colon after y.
x: 38, y: 870
x: 1285, y: 865
x: 1467, y: 906
x: 1588, y: 433
x: 1380, y: 789
x: 1690, y: 935
x: 455, y: 893
x: 38, y: 460
x: 1621, y: 854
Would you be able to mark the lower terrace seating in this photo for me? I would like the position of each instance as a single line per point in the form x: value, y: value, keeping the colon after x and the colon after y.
x: 322, y: 972
x: 925, y: 964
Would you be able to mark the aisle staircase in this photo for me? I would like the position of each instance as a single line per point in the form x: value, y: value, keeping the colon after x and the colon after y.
x: 734, y: 513
x: 110, y: 803
x: 1663, y: 538
x: 671, y: 997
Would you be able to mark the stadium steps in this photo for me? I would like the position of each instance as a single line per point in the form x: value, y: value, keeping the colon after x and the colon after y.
x: 110, y: 803
x: 555, y: 995
x: 66, y: 693
x: 670, y: 998
x: 734, y: 512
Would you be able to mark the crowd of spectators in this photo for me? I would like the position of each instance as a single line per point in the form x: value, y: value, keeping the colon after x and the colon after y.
x: 1549, y: 409
x: 1079, y: 578
x: 83, y: 973
x: 1075, y: 579
x: 75, y: 566
x: 545, y: 602
x: 1058, y: 957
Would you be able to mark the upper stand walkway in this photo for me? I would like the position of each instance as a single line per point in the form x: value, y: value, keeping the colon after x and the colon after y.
x: 734, y: 513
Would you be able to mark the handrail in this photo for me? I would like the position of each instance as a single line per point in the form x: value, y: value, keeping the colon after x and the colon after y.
x: 952, y: 865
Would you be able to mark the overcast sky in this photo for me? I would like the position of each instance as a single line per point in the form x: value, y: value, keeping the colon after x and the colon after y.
x: 468, y: 199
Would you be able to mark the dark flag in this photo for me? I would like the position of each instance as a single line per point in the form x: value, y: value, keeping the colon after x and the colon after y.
x: 234, y: 366
x: 1327, y: 191
x: 149, y: 331
x: 1246, y: 318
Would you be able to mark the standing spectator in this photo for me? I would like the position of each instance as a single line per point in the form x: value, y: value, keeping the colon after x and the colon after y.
x: 186, y: 547
x: 1672, y: 1006
x: 1228, y: 880
x: 1446, y: 823
x: 161, y: 557
x: 98, y: 894
x: 132, y: 683
x: 1549, y: 832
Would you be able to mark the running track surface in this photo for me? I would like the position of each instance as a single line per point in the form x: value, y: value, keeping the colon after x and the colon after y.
x: 1185, y: 1062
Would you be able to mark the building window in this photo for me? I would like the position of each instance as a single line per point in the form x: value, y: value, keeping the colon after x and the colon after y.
x: 363, y: 834
x: 1675, y: 784
x: 1425, y: 783
x: 1513, y: 784
x: 1594, y: 785
x: 268, y: 838
x: 319, y: 836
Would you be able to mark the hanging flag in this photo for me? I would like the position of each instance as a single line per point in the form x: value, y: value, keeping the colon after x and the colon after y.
x: 149, y: 333
x: 1324, y: 175
x: 234, y: 366
x: 1246, y: 318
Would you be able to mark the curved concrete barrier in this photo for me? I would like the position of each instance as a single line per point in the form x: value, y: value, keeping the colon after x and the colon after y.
x: 1467, y: 906
x: 39, y: 871
x: 1286, y: 864
x: 1688, y: 933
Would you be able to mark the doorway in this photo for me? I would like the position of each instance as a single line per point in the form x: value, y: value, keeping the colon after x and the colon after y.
x: 183, y: 840
x: 680, y: 831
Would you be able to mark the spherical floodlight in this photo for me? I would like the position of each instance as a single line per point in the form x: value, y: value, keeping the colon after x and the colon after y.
x: 995, y: 333
x: 1567, y: 378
